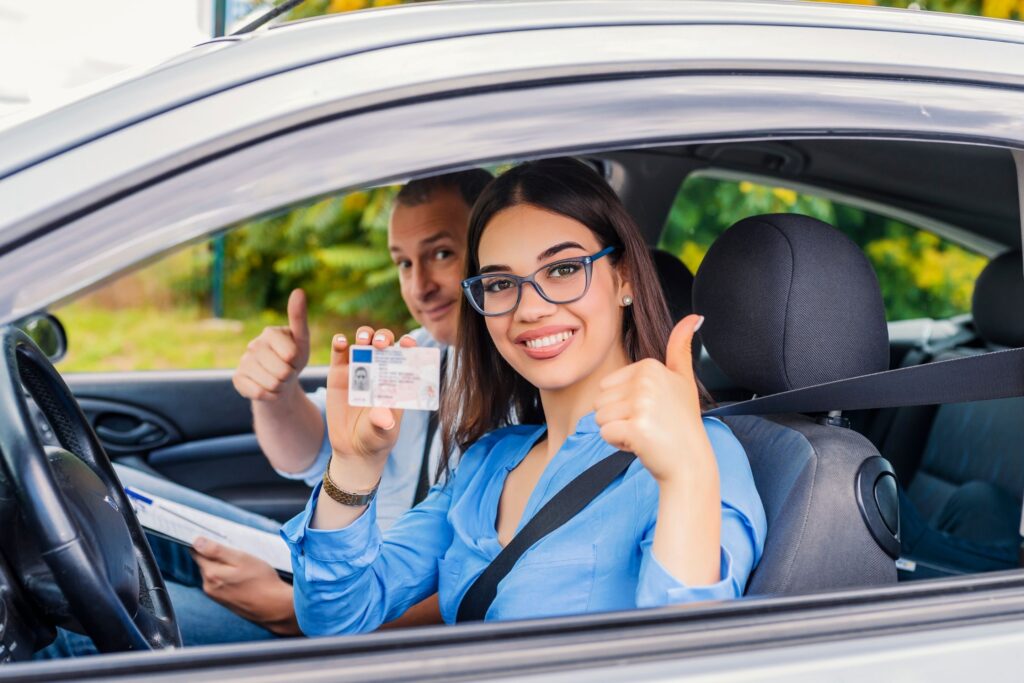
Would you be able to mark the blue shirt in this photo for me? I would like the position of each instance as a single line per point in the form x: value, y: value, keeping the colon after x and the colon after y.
x: 402, y: 471
x: 354, y: 579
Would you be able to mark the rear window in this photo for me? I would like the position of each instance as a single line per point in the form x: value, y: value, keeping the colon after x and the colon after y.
x: 922, y: 275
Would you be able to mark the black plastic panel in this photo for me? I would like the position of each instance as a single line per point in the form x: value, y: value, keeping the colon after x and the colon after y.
x: 877, y: 498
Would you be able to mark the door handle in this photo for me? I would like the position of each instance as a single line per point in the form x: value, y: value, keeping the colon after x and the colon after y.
x: 140, y: 435
x: 124, y: 429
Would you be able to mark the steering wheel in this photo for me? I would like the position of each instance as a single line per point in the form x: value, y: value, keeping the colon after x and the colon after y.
x: 75, y: 509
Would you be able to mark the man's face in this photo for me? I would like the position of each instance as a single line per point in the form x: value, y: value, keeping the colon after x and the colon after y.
x: 428, y: 244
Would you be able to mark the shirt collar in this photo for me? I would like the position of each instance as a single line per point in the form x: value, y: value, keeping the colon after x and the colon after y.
x: 587, y: 424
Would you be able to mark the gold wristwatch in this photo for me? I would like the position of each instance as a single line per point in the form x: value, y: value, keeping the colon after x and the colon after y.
x: 346, y: 497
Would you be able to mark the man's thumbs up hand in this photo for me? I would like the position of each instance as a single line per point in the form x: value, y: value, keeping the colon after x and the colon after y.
x: 653, y: 409
x: 298, y: 326
x: 272, y: 361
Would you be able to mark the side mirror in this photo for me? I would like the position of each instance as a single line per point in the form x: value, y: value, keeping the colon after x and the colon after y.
x: 48, y: 334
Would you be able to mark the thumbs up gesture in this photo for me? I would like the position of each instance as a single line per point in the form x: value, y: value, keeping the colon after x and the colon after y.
x: 272, y: 361
x: 653, y: 409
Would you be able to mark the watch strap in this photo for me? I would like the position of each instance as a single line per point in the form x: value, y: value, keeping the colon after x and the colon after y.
x: 344, y: 497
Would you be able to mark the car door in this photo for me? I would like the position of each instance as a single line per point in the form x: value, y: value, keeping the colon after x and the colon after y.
x: 192, y: 427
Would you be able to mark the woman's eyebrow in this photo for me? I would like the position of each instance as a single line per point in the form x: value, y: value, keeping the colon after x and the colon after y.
x: 546, y: 254
x: 562, y: 246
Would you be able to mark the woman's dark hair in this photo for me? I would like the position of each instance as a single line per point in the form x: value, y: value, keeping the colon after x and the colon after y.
x: 484, y: 393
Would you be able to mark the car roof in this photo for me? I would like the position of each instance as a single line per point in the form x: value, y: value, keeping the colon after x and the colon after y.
x: 229, y: 62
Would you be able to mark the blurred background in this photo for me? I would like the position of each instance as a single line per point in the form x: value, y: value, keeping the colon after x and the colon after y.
x: 198, y: 307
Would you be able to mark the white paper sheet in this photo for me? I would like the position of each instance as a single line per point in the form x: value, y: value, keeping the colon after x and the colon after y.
x: 183, y: 524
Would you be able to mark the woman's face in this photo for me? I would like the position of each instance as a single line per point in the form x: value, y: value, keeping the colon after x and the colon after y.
x: 553, y: 346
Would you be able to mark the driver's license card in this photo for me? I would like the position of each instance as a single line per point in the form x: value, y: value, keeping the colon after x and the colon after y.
x: 394, y: 377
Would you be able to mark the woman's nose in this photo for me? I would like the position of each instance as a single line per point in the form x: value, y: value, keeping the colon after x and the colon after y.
x: 532, y: 305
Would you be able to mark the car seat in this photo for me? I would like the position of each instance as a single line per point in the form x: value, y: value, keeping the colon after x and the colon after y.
x: 791, y: 302
x: 938, y: 450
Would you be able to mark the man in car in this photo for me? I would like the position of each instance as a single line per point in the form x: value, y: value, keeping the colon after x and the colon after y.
x: 427, y: 240
x: 426, y: 236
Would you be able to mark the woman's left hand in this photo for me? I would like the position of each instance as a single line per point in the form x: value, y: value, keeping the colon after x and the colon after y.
x: 653, y: 409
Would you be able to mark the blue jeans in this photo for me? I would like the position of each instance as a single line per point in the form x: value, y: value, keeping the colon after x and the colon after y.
x: 202, y: 621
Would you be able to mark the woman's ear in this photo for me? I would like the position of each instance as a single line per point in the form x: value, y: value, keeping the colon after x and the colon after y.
x: 625, y: 286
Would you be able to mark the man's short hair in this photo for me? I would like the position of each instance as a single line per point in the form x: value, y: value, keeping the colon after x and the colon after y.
x: 469, y: 184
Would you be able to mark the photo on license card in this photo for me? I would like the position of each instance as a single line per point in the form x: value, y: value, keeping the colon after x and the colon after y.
x: 395, y: 377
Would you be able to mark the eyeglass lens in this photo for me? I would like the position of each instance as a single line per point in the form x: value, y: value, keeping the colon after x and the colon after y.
x: 560, y: 282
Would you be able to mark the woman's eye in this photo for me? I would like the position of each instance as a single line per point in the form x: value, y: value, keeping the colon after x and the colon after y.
x: 564, y: 270
x: 442, y: 254
x: 498, y: 285
x: 404, y: 264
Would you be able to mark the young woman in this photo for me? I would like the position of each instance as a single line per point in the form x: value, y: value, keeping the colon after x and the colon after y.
x: 564, y: 357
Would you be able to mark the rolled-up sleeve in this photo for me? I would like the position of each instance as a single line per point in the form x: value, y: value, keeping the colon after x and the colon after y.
x: 744, y: 527
x: 312, y: 474
x: 354, y: 579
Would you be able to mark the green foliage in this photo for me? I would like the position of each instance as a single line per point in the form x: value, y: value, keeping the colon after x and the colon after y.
x: 921, y: 275
x: 334, y: 248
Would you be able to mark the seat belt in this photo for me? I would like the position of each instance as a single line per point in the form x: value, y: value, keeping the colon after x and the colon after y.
x: 925, y: 351
x: 423, y: 483
x: 997, y: 374
x: 562, y: 507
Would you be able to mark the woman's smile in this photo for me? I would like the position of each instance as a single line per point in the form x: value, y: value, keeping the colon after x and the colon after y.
x: 546, y: 342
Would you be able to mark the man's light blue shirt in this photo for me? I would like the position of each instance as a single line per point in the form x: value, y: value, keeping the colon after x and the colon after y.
x: 402, y: 471
x: 354, y: 579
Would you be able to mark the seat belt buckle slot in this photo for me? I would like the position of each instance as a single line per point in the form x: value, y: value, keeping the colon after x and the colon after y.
x: 833, y: 418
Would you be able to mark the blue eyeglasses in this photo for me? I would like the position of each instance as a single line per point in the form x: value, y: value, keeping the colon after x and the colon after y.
x: 561, y: 282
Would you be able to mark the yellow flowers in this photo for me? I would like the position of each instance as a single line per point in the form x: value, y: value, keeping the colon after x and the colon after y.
x: 346, y: 5
x: 352, y: 5
x: 944, y: 271
x: 692, y: 254
x: 1000, y: 9
x: 784, y: 197
x: 788, y: 197
x: 355, y: 201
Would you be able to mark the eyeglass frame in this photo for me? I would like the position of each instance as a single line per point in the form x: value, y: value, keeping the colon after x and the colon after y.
x: 587, y: 261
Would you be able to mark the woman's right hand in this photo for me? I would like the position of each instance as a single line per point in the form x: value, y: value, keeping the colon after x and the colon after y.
x: 361, y: 438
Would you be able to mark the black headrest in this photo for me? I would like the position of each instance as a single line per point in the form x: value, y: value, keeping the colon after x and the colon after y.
x: 790, y: 302
x: 676, y: 282
x: 998, y: 297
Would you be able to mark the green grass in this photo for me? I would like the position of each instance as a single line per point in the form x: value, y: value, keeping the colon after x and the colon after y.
x: 151, y: 338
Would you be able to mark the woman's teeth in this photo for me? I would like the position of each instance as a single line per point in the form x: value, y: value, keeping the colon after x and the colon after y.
x: 550, y: 340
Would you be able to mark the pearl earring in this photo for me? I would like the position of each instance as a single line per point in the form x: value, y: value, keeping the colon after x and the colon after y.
x: 627, y: 300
